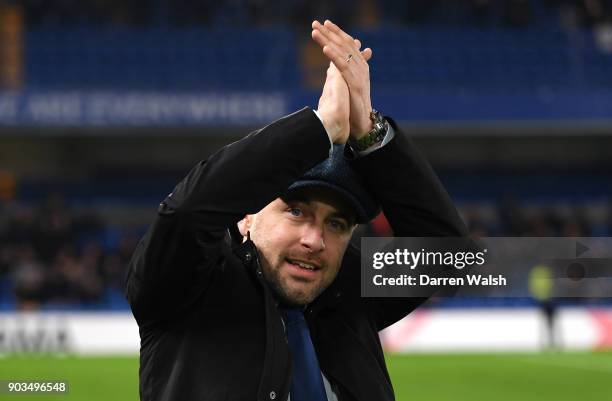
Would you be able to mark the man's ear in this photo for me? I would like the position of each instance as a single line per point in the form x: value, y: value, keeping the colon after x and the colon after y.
x: 244, y: 225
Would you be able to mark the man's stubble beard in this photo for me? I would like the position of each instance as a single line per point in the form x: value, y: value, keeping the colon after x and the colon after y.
x: 284, y: 294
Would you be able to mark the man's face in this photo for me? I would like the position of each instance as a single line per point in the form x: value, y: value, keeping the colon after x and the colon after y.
x: 301, y: 241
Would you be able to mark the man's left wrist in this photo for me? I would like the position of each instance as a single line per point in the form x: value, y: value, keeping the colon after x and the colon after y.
x: 365, y: 130
x: 376, y: 134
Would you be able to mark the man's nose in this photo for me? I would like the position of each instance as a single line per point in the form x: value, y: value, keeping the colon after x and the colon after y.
x: 312, y: 238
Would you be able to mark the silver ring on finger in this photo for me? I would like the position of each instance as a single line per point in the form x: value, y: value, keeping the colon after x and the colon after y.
x: 349, y: 58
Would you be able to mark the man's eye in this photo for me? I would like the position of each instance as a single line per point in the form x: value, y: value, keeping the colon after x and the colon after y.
x: 337, y: 225
x: 295, y: 211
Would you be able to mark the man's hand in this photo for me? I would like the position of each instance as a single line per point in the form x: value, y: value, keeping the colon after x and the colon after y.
x: 344, y: 52
x: 334, y: 106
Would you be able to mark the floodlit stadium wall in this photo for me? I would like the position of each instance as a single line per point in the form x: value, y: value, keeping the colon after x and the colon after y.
x: 426, y: 330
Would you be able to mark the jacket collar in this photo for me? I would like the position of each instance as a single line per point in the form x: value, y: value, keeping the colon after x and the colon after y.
x: 244, y: 250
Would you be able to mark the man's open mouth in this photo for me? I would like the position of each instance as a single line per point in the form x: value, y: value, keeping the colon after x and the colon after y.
x: 304, y: 265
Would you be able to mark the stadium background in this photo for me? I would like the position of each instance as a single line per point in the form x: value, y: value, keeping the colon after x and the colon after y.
x: 104, y: 106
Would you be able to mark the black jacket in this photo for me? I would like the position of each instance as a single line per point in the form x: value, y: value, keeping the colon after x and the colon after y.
x: 209, y: 325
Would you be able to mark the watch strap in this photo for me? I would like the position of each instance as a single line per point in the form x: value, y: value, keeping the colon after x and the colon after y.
x: 376, y: 135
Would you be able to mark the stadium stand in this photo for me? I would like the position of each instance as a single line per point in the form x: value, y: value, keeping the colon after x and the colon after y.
x: 432, y: 50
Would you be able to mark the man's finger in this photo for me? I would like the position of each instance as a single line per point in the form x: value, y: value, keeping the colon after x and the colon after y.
x: 336, y: 29
x: 316, y: 25
x: 318, y: 37
x: 352, y: 48
x: 343, y: 56
x: 335, y: 56
x: 340, y: 53
x: 366, y: 53
x: 322, y: 38
x: 334, y: 37
x: 332, y: 69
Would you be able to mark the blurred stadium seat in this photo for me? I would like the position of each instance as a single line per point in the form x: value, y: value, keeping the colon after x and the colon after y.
x: 160, y: 59
x: 407, y: 59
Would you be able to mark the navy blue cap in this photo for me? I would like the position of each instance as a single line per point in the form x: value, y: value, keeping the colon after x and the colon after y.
x: 336, y: 174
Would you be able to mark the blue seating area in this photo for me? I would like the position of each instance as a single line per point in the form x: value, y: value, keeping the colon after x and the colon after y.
x: 264, y: 59
x: 160, y: 59
x: 473, y: 59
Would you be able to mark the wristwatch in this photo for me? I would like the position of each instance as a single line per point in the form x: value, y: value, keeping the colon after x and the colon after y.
x: 376, y: 135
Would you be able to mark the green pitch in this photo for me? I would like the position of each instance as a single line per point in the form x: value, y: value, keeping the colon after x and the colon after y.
x: 423, y: 377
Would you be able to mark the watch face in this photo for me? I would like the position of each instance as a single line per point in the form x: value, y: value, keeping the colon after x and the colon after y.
x: 375, y: 116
